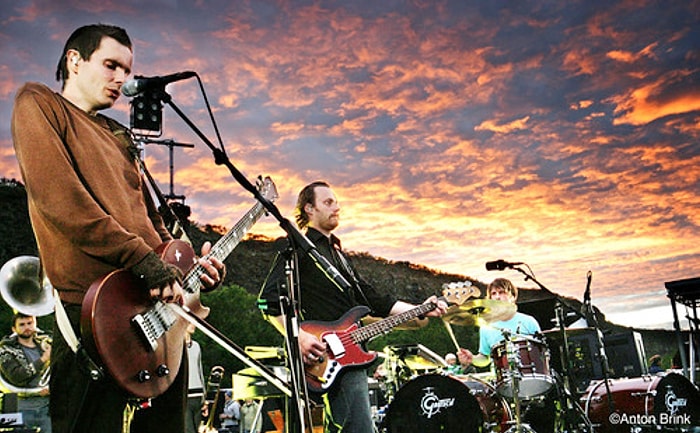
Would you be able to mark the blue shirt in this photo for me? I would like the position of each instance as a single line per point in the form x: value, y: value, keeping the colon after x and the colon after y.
x: 520, y: 323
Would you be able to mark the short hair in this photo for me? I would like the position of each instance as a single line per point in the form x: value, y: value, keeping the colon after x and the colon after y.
x: 450, y: 356
x: 502, y: 283
x: 17, y: 316
x: 307, y: 195
x: 85, y: 40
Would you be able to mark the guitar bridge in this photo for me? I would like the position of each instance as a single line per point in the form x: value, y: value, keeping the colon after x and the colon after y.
x: 154, y: 323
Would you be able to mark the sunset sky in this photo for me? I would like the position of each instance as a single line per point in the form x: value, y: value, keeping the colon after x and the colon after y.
x: 559, y: 134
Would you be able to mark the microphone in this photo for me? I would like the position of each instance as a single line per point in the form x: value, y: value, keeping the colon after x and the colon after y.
x: 586, y: 308
x: 499, y: 265
x: 140, y: 83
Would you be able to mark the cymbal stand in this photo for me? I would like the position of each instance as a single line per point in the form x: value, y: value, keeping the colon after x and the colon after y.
x: 514, y: 362
x: 571, y: 403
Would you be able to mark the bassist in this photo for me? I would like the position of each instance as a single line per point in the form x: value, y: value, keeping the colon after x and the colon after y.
x: 347, y: 405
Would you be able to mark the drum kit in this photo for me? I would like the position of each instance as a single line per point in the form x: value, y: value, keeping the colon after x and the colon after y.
x: 521, y: 393
x: 413, y: 391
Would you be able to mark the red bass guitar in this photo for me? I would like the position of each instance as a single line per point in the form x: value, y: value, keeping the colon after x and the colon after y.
x: 138, y: 340
x: 344, y: 337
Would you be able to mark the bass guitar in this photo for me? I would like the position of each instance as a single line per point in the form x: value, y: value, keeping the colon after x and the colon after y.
x: 139, y: 340
x: 344, y: 337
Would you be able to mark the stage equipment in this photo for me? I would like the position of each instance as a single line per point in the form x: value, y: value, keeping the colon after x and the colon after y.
x: 523, y: 358
x: 687, y: 292
x: 648, y: 402
x: 434, y: 403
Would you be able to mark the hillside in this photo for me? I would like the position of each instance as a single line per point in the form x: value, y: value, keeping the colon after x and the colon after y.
x: 248, y: 265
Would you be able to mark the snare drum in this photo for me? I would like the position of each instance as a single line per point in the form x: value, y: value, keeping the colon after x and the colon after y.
x: 530, y: 359
x: 669, y: 400
x: 435, y: 403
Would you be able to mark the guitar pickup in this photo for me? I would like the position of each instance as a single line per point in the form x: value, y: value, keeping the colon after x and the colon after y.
x: 154, y: 323
x: 146, y: 331
x: 335, y: 345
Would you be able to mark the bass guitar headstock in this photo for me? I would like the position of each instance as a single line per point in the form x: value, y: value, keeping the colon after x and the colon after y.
x: 458, y: 292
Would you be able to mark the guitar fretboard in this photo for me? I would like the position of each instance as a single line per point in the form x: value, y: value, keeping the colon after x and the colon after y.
x: 191, y: 283
x: 383, y: 326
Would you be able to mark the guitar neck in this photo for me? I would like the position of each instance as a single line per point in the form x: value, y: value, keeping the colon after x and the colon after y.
x: 384, y: 326
x: 192, y: 282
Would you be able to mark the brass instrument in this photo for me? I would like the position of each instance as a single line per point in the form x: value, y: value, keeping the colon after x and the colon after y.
x: 212, y: 398
x: 24, y: 289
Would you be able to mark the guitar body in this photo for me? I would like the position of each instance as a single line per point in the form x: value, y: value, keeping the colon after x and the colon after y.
x: 138, y: 340
x: 110, y: 336
x: 320, y: 376
x: 344, y: 337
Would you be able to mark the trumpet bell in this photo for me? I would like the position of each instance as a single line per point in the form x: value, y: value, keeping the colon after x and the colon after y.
x: 23, y: 289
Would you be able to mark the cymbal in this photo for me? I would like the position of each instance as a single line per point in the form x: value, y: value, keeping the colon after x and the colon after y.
x: 407, y: 326
x: 479, y: 312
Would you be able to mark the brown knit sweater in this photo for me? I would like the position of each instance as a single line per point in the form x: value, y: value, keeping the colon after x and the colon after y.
x: 90, y: 212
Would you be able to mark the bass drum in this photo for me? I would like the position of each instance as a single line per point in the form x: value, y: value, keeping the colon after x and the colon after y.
x: 670, y: 400
x: 435, y: 403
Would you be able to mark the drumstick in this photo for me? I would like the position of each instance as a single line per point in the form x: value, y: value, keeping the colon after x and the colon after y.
x: 451, y: 333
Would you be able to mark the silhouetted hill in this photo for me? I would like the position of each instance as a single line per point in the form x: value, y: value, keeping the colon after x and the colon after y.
x: 249, y: 263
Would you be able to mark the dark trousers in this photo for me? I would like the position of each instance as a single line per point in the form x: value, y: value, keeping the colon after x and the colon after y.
x: 81, y: 405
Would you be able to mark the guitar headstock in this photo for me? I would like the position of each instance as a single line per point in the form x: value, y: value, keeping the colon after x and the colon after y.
x: 267, y: 188
x: 459, y: 292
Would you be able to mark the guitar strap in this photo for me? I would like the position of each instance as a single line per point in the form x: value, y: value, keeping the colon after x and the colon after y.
x: 94, y: 371
x: 125, y: 136
x: 338, y: 253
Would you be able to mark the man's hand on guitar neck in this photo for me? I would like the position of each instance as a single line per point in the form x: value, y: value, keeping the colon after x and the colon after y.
x: 440, y: 307
x: 163, y: 279
x: 215, y: 269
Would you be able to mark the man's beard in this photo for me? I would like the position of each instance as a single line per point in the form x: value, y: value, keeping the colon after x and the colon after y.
x: 28, y: 335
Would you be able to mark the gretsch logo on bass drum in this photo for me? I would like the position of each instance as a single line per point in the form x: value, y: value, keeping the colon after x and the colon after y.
x: 673, y: 402
x: 431, y: 404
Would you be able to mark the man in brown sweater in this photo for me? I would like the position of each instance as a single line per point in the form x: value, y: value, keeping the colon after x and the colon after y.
x: 92, y: 214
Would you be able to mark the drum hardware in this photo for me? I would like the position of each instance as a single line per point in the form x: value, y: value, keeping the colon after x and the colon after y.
x: 670, y: 400
x: 572, y: 410
x: 434, y: 403
x: 404, y: 362
x: 514, y: 365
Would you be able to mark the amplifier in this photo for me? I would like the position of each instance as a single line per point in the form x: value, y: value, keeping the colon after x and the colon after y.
x: 625, y: 352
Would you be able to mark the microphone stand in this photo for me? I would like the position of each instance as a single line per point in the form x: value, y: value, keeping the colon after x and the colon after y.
x: 561, y: 302
x: 592, y: 317
x: 298, y: 240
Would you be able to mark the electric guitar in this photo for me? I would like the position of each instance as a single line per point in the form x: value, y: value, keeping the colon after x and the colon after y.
x: 139, y: 340
x: 344, y: 337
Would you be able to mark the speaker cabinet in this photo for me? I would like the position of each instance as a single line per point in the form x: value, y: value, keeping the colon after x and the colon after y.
x: 626, y: 355
x: 625, y: 352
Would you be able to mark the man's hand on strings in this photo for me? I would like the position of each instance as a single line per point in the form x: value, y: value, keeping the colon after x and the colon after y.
x: 215, y: 271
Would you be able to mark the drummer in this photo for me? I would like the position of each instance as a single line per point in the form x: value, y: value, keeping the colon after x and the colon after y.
x: 519, y: 323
